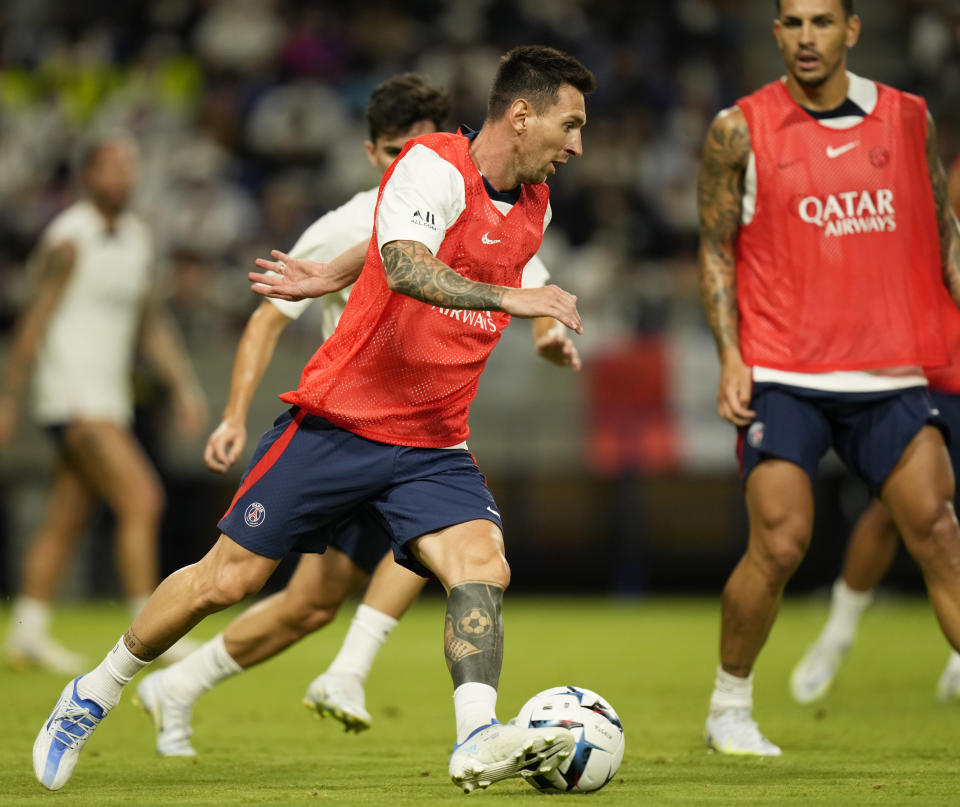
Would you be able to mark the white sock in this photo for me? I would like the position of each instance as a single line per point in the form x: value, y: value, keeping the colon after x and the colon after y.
x: 205, y: 667
x: 135, y: 605
x: 731, y: 692
x: 106, y: 682
x: 29, y: 619
x: 846, y: 608
x: 475, y: 705
x: 368, y: 631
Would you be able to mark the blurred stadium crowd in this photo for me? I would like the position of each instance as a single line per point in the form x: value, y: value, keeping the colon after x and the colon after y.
x: 250, y: 117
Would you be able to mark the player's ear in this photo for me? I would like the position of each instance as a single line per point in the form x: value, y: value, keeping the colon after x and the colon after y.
x: 853, y: 31
x: 371, y: 152
x: 518, y: 113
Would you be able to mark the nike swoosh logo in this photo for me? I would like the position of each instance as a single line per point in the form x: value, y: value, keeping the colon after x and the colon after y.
x: 486, y: 239
x: 836, y: 152
x: 493, y: 511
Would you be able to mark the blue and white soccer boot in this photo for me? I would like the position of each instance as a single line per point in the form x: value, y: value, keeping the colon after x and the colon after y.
x: 340, y: 697
x: 60, y: 741
x: 495, y: 752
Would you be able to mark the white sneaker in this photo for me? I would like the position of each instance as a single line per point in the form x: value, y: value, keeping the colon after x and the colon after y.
x: 44, y: 652
x: 733, y: 731
x: 496, y: 752
x: 341, y: 697
x: 948, y: 687
x: 813, y: 676
x: 171, y: 721
x: 178, y: 652
x: 63, y: 736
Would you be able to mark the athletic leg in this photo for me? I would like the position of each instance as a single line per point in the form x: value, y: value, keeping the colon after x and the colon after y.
x: 870, y: 553
x: 29, y: 641
x: 338, y: 691
x: 469, y: 561
x: 919, y: 494
x: 113, y: 464
x: 226, y: 574
x: 309, y: 601
x: 780, y: 511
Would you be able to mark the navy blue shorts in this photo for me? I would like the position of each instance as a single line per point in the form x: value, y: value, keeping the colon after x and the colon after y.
x: 948, y: 406
x: 308, y: 477
x: 868, y: 430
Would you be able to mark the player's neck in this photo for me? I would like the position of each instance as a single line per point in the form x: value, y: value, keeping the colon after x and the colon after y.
x: 823, y: 97
x: 109, y: 213
x: 493, y: 156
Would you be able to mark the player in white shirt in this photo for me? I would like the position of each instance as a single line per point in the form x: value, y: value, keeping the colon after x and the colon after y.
x: 92, y: 300
x: 401, y: 108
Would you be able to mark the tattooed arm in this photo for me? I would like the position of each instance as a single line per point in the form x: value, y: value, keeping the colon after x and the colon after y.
x: 720, y: 195
x: 947, y: 226
x: 54, y: 268
x: 413, y: 270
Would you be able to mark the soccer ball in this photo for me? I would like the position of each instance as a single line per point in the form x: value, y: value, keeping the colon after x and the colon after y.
x: 596, y: 728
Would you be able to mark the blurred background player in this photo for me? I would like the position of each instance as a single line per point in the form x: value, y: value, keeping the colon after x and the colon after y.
x: 873, y: 540
x: 400, y: 108
x: 94, y: 297
x: 398, y: 376
x: 801, y: 369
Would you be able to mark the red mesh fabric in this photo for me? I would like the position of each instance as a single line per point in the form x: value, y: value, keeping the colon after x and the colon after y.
x: 404, y: 372
x: 840, y: 266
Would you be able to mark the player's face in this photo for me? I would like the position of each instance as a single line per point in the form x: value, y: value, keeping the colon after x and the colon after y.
x: 551, y: 137
x: 112, y: 174
x: 813, y: 36
x: 387, y: 148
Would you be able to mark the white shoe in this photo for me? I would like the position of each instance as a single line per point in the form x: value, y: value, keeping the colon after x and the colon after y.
x: 813, y: 676
x: 733, y: 731
x: 341, y: 697
x: 63, y: 736
x: 171, y: 721
x: 496, y: 752
x: 178, y: 652
x: 44, y: 652
x: 948, y: 687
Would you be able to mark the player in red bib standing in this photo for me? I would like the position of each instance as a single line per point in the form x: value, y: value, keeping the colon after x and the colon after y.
x: 375, y: 436
x: 826, y: 230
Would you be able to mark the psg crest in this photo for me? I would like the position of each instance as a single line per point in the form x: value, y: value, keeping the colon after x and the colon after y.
x: 254, y: 514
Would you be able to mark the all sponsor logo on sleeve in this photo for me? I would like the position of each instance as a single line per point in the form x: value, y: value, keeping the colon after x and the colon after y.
x: 425, y: 219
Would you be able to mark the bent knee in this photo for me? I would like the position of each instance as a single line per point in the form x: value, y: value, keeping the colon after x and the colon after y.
x: 305, y: 617
x: 780, y: 551
x: 225, y: 587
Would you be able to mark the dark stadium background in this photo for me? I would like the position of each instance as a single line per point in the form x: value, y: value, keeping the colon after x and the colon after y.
x: 621, y: 479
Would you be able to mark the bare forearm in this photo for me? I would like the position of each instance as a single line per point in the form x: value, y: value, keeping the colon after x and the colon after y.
x: 254, y: 353
x: 411, y: 269
x: 165, y: 351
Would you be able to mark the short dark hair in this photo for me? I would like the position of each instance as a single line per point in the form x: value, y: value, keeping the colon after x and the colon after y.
x: 536, y: 72
x: 847, y: 7
x: 401, y: 101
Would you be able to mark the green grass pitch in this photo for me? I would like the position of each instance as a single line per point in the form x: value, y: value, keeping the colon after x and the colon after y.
x: 879, y: 738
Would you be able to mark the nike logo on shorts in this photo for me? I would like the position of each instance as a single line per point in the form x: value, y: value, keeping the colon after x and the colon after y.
x: 493, y: 511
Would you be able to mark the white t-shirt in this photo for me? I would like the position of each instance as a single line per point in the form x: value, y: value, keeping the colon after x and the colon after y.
x: 84, y: 365
x: 351, y: 223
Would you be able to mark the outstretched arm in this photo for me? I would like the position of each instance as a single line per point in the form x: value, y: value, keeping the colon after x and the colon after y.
x: 947, y: 226
x: 254, y: 352
x: 720, y: 196
x: 413, y: 270
x: 54, y: 268
x: 289, y: 278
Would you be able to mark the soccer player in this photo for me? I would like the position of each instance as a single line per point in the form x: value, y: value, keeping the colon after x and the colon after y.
x: 375, y: 435
x: 826, y: 232
x: 93, y: 297
x: 873, y: 541
x: 401, y: 108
